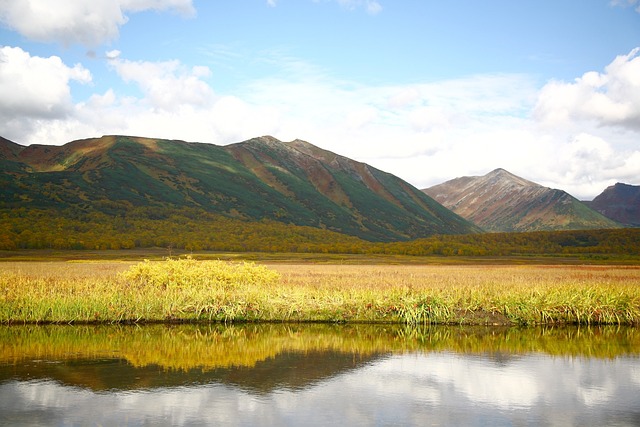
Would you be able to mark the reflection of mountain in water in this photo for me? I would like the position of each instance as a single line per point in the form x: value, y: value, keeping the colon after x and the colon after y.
x: 294, y: 370
x: 261, y: 358
x: 409, y: 389
x: 289, y: 370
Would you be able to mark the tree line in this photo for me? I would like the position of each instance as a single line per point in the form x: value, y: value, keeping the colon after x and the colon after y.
x: 197, y: 230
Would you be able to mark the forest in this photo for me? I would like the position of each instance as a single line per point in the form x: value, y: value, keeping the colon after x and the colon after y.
x: 195, y: 230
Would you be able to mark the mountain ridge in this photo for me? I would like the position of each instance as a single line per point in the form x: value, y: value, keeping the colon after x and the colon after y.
x: 261, y: 178
x: 503, y: 202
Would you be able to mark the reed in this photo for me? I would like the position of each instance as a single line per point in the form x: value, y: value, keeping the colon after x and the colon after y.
x: 218, y: 291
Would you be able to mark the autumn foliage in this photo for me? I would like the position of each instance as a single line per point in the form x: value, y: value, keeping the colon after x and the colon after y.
x: 196, y: 230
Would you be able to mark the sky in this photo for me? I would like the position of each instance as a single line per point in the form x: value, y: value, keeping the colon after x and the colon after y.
x: 428, y: 90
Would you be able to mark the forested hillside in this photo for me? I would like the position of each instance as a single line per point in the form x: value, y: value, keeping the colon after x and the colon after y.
x: 193, y: 230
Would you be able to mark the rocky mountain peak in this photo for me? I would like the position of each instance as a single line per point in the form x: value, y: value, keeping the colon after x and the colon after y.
x: 504, y: 178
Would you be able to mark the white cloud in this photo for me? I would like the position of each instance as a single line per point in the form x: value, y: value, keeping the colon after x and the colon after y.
x: 594, y: 123
x: 112, y: 54
x: 427, y: 118
x: 360, y: 117
x: 586, y: 164
x: 35, y: 89
x: 611, y: 98
x: 167, y: 85
x: 87, y: 22
x: 585, y: 157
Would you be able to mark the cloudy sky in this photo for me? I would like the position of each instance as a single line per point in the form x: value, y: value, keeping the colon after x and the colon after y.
x: 427, y: 90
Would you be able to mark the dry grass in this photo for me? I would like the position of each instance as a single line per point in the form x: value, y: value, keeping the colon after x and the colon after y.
x: 479, y: 294
x: 190, y: 290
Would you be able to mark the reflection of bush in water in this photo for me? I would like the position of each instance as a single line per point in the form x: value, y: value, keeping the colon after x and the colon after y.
x: 184, y: 347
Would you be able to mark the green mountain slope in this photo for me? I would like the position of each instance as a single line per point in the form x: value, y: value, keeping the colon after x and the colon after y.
x: 263, y: 178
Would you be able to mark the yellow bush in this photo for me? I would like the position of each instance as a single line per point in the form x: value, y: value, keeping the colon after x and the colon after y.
x: 188, y: 273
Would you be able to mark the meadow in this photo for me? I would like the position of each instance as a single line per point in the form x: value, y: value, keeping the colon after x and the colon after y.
x: 190, y: 290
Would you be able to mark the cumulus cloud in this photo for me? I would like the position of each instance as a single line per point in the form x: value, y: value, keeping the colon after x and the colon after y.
x: 37, y: 105
x: 594, y: 124
x: 611, y: 98
x: 167, y: 85
x: 35, y: 88
x: 586, y: 164
x: 87, y: 22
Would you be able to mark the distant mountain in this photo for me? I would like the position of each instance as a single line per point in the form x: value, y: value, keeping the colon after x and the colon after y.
x: 619, y: 202
x: 501, y: 201
x: 262, y: 178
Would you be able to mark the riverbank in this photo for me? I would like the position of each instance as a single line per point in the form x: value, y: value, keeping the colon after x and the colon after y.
x: 188, y: 290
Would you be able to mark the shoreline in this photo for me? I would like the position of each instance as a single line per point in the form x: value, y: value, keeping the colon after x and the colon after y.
x: 191, y: 291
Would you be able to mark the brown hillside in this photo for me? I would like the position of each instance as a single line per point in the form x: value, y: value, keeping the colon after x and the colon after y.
x: 501, y: 201
x: 620, y: 202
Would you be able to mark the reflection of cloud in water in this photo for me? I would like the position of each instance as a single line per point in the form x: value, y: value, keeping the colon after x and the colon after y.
x: 413, y: 389
x: 523, y: 382
x: 482, y: 381
x: 396, y: 377
x: 635, y: 375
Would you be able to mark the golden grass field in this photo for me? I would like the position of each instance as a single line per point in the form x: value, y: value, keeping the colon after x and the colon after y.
x: 221, y: 291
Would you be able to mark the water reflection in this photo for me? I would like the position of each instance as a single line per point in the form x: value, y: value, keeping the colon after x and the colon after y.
x: 318, y: 375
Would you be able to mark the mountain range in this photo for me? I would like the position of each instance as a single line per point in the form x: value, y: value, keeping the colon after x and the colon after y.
x: 502, y: 202
x: 293, y: 183
x: 259, y: 179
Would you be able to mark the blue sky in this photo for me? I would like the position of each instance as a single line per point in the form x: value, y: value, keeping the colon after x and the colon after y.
x: 426, y: 90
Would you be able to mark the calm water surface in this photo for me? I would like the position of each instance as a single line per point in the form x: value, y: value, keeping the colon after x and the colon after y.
x: 318, y: 375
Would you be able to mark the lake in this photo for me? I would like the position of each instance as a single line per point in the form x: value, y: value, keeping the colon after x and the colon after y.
x: 316, y: 374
